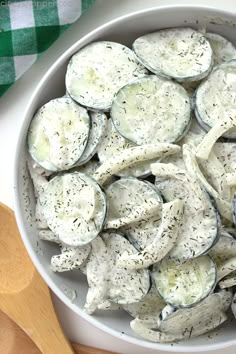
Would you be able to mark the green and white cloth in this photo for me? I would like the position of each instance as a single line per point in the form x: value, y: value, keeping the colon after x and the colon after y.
x: 28, y: 28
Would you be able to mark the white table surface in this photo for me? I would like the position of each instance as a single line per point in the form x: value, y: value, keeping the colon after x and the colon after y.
x: 12, y: 106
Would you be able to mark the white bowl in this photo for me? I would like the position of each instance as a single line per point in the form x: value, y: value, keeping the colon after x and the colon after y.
x: 124, y: 29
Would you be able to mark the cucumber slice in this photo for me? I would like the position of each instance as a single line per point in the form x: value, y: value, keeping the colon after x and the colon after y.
x: 97, y: 132
x: 165, y: 239
x: 199, y: 227
x: 58, y: 134
x: 183, y: 284
x: 96, y: 72
x: 70, y: 258
x: 113, y: 143
x: 75, y: 208
x: 223, y: 50
x: 180, y: 53
x: 129, y: 200
x: 201, y: 318
x: 151, y: 305
x: 130, y: 157
x: 215, y: 97
x: 125, y: 286
x: 151, y: 110
x: 143, y: 232
x: 139, y: 327
x: 97, y: 268
x: 48, y: 235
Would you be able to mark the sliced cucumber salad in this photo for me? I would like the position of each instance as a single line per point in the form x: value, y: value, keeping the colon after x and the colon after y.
x: 134, y: 176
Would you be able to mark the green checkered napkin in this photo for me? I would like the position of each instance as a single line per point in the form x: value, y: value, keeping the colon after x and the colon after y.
x: 28, y: 28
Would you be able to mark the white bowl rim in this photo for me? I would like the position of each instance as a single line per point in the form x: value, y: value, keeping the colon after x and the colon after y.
x: 16, y: 201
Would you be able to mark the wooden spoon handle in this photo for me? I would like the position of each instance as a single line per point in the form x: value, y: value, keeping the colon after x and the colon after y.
x: 84, y: 349
x: 33, y: 311
x: 13, y: 340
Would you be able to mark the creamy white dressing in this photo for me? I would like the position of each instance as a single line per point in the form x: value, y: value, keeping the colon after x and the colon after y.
x: 97, y: 268
x: 48, y: 235
x: 125, y: 286
x: 112, y: 143
x: 223, y: 250
x: 70, y: 258
x: 226, y: 153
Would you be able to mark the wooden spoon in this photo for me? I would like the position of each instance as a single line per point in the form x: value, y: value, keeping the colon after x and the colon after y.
x: 24, y: 296
x: 13, y: 340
